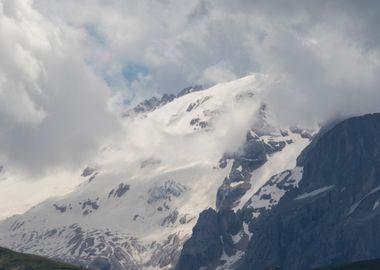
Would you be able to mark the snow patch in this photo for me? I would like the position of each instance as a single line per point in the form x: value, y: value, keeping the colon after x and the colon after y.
x: 270, y: 194
x: 277, y: 163
x: 354, y: 206
x: 229, y: 261
x: 246, y: 230
x: 314, y: 193
x: 234, y: 184
x: 376, y: 204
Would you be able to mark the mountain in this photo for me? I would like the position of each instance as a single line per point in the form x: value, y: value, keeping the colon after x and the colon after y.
x: 323, y: 212
x: 210, y: 179
x: 190, y: 89
x: 149, y: 105
x: 142, y: 193
x: 154, y: 103
x: 10, y: 260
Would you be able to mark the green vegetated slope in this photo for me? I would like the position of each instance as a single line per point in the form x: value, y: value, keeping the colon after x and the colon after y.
x: 10, y: 260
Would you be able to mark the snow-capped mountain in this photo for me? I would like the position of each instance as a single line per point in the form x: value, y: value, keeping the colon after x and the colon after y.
x: 325, y: 211
x: 141, y: 195
x: 153, y: 103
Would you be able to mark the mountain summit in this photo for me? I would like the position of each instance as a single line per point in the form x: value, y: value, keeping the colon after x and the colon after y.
x: 141, y: 196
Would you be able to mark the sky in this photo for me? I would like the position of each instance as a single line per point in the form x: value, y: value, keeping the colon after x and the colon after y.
x: 68, y: 68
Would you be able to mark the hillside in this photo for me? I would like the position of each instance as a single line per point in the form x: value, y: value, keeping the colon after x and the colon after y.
x: 362, y: 265
x: 10, y: 260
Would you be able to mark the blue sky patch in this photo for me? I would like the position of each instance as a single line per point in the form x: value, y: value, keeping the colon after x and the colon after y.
x: 93, y: 32
x: 132, y: 72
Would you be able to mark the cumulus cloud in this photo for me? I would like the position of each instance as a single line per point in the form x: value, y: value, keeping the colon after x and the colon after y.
x: 53, y: 109
x: 325, y: 53
x: 62, y: 60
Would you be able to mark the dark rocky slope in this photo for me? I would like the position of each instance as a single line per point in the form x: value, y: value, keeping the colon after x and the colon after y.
x: 333, y: 216
x: 211, y: 236
x: 362, y: 265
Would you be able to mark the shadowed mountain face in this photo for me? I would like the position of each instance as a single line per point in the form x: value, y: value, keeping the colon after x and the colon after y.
x: 10, y: 260
x: 329, y: 217
x: 362, y: 265
x: 333, y: 215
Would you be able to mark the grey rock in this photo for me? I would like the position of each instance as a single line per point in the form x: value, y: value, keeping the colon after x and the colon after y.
x: 119, y: 191
x: 211, y: 236
x: 60, y: 208
x: 16, y: 225
x: 92, y: 177
x: 166, y: 191
x: 337, y: 224
x: 166, y: 254
x: 88, y: 206
x: 189, y: 90
x: 244, y: 96
x: 194, y: 121
x: 227, y: 195
x: 198, y: 102
x: 205, y: 245
x: 304, y: 133
x: 203, y: 124
x: 170, y: 219
x: 88, y: 171
x: 153, y: 103
x: 252, y: 156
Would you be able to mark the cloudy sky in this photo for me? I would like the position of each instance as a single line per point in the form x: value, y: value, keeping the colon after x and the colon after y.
x: 67, y: 68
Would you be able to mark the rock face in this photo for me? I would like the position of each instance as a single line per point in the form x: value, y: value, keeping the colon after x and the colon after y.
x: 189, y: 90
x: 211, y: 238
x: 230, y: 229
x: 252, y: 156
x: 149, y: 105
x: 334, y: 215
x: 153, y: 103
x: 205, y: 246
x: 325, y: 211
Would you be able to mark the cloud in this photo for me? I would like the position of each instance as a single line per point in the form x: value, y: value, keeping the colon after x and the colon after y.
x: 322, y: 73
x: 64, y: 61
x: 53, y: 108
x: 325, y: 52
x: 218, y: 73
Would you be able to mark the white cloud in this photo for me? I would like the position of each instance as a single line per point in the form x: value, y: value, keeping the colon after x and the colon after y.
x: 324, y: 55
x: 62, y: 66
x: 208, y: 41
x: 53, y: 109
x: 218, y: 73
